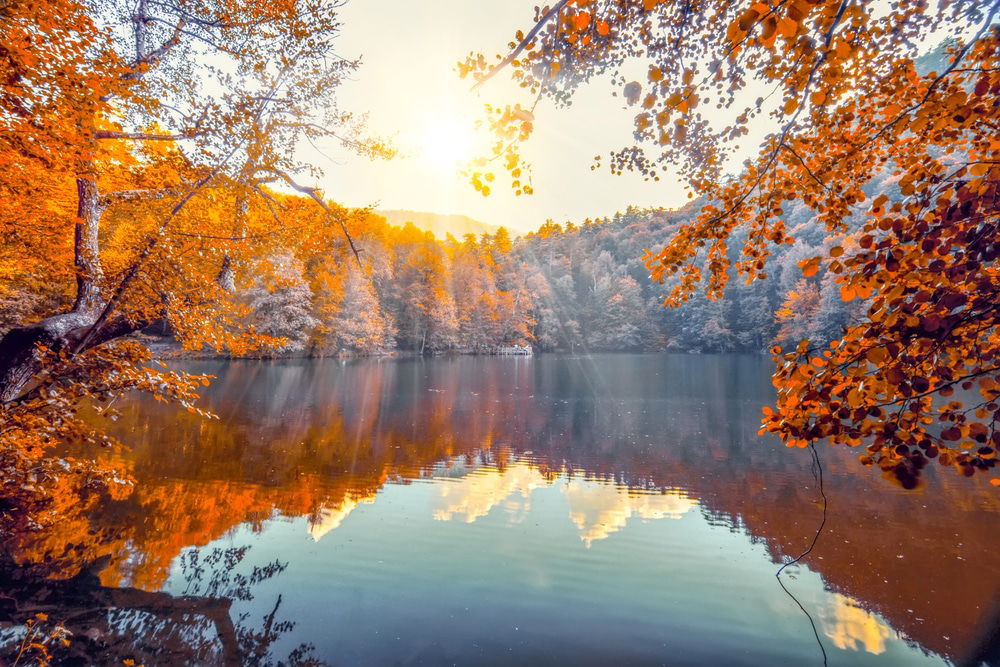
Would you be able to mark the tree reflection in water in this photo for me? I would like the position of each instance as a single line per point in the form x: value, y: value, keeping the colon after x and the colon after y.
x: 127, y: 625
x: 625, y: 438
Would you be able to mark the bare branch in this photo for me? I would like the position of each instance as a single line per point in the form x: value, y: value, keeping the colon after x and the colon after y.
x: 141, y: 136
x: 804, y: 165
x: 144, y: 61
x: 191, y: 133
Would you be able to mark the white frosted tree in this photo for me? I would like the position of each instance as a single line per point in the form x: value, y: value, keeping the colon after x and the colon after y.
x: 360, y: 323
x: 281, y: 307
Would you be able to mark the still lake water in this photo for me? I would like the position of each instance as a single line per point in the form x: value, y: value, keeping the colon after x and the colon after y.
x: 612, y: 509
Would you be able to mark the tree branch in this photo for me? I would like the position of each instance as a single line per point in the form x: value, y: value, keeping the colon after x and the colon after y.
x: 141, y: 136
x: 133, y: 270
x: 112, y: 198
x: 930, y: 89
x: 554, y: 11
x: 315, y: 194
x: 144, y: 61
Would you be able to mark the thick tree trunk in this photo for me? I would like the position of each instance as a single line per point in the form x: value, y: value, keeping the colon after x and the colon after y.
x: 19, y: 359
x: 82, y: 327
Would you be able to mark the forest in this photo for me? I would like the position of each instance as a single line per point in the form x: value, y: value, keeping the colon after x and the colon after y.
x: 564, y: 287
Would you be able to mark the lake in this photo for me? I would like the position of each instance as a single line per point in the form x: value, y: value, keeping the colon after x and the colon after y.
x: 548, y: 510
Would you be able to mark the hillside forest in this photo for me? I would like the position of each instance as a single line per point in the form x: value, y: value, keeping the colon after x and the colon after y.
x: 572, y: 287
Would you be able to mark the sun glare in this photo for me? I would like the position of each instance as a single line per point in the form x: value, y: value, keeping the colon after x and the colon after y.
x: 446, y: 143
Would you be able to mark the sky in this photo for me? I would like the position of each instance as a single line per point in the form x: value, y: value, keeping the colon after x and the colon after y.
x: 408, y: 85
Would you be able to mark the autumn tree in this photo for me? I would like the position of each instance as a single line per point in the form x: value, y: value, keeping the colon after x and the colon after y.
x: 840, y: 84
x: 282, y: 308
x: 138, y: 145
x: 422, y: 301
x: 360, y: 324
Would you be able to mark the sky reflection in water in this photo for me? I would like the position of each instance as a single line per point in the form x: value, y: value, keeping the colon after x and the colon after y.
x: 555, y: 510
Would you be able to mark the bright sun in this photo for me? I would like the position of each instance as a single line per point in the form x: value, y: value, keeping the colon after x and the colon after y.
x: 446, y: 142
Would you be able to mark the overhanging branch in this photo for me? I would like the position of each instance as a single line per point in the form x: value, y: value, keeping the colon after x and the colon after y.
x: 315, y: 194
x: 136, y: 195
x: 553, y: 12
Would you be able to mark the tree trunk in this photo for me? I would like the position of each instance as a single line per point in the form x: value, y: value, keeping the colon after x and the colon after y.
x: 86, y: 250
x: 19, y: 358
x: 227, y: 276
x: 71, y: 331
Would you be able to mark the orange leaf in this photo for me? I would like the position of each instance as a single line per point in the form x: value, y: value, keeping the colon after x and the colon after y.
x: 809, y: 267
x: 769, y: 33
x: 877, y: 355
x: 787, y: 27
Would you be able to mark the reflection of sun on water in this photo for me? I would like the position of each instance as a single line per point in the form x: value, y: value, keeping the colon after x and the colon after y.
x: 446, y: 143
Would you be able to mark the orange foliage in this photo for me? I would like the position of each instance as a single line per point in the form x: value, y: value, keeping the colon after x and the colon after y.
x: 136, y: 159
x: 848, y: 102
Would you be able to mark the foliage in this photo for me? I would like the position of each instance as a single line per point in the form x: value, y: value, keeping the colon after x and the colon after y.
x: 848, y: 102
x: 414, y: 292
x: 281, y: 308
x: 138, y: 145
x: 35, y: 641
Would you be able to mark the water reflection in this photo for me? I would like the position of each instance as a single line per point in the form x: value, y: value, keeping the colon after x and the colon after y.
x: 329, y: 518
x: 548, y: 473
x: 852, y: 628
x: 473, y: 495
x: 598, y: 510
x: 78, y: 620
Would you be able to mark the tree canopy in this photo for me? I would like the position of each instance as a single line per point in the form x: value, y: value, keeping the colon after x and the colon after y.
x: 138, y: 143
x: 915, y: 376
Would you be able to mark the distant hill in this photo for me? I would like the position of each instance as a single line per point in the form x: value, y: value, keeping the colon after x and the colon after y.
x: 456, y: 225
